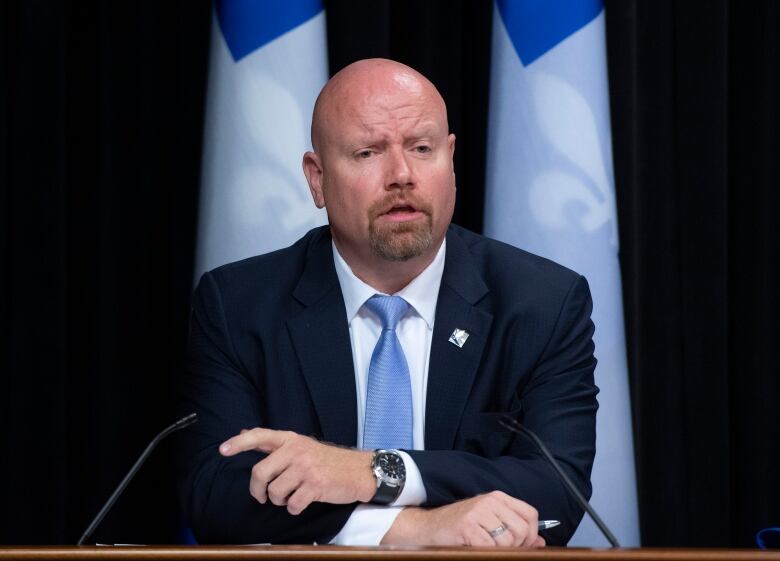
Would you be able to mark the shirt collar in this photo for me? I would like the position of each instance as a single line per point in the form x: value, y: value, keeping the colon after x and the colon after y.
x: 421, y: 293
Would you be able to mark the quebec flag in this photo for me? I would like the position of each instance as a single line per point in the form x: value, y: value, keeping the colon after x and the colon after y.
x: 550, y: 191
x: 268, y: 63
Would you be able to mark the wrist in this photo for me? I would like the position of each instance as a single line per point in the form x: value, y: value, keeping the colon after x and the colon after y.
x: 367, y: 481
x: 406, y: 527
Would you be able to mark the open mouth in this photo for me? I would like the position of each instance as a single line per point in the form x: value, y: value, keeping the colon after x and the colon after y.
x: 401, y: 209
x: 401, y: 213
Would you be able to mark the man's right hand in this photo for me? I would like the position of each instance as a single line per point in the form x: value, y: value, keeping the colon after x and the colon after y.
x: 469, y: 522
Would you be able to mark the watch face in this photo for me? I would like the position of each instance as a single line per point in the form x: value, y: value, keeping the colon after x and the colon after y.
x: 392, y: 466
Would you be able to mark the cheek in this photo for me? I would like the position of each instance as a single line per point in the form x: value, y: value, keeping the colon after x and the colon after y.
x: 346, y: 204
x: 444, y: 192
x: 448, y: 206
x: 353, y: 190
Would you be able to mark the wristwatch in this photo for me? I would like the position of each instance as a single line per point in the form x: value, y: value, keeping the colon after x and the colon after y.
x: 390, y: 472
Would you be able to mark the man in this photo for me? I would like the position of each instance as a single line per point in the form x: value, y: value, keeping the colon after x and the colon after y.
x: 390, y: 328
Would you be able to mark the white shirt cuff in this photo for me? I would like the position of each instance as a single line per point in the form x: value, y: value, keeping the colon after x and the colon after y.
x: 368, y: 523
x: 413, y: 493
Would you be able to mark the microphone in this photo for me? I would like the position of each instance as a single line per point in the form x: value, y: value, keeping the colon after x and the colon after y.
x: 178, y: 425
x: 508, y: 422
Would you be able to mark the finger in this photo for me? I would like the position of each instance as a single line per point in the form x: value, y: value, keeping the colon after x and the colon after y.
x: 263, y: 472
x: 300, y: 500
x: 527, y: 513
x: 517, y: 527
x: 507, y: 538
x: 539, y: 542
x: 264, y: 440
x: 280, y: 489
x: 490, y: 523
x: 477, y: 536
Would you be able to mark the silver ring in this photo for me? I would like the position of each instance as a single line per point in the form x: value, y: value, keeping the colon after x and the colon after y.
x: 497, y: 531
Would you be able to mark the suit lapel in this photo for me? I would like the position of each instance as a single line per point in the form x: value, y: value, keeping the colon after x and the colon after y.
x: 452, y: 369
x: 320, y: 336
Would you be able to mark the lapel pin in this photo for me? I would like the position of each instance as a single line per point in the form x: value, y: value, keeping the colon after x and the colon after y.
x: 458, y: 337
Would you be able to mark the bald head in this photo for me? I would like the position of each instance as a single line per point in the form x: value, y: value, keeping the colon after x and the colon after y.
x: 369, y: 82
x: 382, y: 167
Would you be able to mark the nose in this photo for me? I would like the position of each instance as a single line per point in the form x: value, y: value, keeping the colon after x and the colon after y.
x: 399, y: 173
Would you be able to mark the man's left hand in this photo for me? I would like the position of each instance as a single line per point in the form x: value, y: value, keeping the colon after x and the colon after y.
x: 300, y: 470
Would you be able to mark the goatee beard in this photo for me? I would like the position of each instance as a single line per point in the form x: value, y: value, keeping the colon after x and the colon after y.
x: 402, y: 241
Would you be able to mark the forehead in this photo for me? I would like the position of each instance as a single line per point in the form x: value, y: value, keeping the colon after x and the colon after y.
x: 385, y: 112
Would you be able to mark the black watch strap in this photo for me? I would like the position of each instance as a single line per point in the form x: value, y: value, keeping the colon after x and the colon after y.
x: 385, y: 494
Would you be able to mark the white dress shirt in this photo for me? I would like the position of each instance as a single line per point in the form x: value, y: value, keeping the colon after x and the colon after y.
x: 369, y: 523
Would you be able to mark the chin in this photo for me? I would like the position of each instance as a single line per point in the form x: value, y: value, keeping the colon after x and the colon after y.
x: 402, y: 242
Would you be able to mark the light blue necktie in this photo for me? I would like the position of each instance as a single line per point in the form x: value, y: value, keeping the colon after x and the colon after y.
x: 388, y: 420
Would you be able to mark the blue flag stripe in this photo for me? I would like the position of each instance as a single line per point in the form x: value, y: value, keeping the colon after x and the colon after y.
x: 247, y: 25
x: 536, y: 26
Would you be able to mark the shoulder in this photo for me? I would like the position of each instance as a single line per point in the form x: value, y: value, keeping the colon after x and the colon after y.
x: 270, y: 275
x: 529, y: 298
x: 507, y: 269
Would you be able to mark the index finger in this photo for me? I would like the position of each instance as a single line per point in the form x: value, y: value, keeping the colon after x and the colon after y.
x: 264, y: 440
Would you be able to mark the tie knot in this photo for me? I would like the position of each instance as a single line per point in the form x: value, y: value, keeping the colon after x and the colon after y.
x: 388, y: 308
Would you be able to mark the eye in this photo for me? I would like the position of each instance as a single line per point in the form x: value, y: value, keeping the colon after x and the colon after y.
x: 364, y: 154
x: 422, y: 149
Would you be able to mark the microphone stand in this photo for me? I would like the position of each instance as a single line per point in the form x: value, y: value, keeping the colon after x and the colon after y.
x: 178, y: 425
x: 508, y: 422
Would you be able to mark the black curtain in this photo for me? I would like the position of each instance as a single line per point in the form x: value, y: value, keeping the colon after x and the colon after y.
x: 101, y: 120
x: 100, y: 136
x: 694, y: 94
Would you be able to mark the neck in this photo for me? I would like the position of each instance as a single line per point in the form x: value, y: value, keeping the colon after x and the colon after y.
x: 387, y: 276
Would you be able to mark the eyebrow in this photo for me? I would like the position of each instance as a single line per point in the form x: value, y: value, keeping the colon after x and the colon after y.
x: 426, y: 132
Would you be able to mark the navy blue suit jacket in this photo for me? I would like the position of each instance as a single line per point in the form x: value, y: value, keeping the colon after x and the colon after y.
x: 269, y: 347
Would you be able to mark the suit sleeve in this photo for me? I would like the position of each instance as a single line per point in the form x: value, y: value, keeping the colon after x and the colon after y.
x: 214, y: 490
x: 559, y: 404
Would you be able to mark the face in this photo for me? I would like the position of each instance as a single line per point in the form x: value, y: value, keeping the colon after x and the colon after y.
x: 384, y: 170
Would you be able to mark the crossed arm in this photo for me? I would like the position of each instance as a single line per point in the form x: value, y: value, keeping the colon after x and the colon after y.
x: 299, y: 470
x: 287, y: 488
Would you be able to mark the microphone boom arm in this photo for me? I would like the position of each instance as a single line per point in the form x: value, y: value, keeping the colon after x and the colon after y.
x: 178, y: 425
x: 508, y: 422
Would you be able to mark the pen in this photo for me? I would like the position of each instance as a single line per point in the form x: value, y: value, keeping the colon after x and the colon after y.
x: 547, y: 524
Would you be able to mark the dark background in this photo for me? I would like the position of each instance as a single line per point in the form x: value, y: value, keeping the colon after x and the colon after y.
x: 101, y: 116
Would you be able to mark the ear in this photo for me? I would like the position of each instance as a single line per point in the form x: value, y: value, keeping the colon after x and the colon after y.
x: 451, y: 146
x: 312, y: 169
